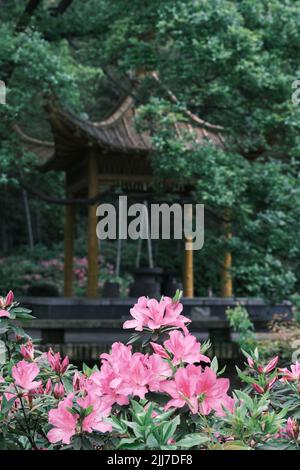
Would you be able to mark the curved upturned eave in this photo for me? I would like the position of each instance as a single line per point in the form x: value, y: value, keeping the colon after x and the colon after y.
x: 115, y: 134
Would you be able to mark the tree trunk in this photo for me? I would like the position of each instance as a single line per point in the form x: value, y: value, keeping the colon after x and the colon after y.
x: 28, y: 219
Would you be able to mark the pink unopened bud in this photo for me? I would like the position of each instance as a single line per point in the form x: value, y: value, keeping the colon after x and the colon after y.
x: 258, y: 388
x: 64, y: 365
x: 292, y: 428
x: 250, y: 362
x: 27, y: 350
x: 58, y: 391
x: 272, y: 382
x: 171, y: 441
x: 55, y: 362
x: 76, y: 381
x: 271, y: 365
x: 9, y: 299
x: 48, y: 388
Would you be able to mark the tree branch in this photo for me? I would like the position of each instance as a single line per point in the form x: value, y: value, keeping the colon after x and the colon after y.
x: 63, y: 201
x: 28, y: 12
x: 61, y: 7
x: 191, y: 115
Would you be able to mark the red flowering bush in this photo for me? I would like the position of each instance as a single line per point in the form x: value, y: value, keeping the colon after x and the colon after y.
x: 170, y: 396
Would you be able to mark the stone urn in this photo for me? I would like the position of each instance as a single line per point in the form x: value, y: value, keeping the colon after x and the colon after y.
x: 146, y: 282
x: 170, y: 285
x: 111, y: 290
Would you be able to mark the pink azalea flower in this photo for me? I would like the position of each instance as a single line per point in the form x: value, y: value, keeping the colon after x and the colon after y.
x: 24, y: 374
x: 226, y: 403
x: 149, y: 313
x: 184, y: 348
x: 120, y: 353
x: 200, y: 389
x: 101, y: 409
x: 4, y: 314
x: 160, y: 350
x: 67, y: 424
x: 292, y: 375
x: 213, y: 391
x: 134, y: 378
x: 124, y: 374
x: 64, y: 422
x: 139, y: 313
x: 105, y: 383
x: 113, y: 375
x: 27, y: 350
x: 160, y: 371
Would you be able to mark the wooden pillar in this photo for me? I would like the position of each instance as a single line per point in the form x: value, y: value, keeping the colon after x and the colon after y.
x: 226, y: 278
x: 69, y: 231
x: 92, y: 276
x: 188, y: 273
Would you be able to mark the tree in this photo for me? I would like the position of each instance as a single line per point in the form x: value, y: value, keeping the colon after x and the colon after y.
x: 231, y: 63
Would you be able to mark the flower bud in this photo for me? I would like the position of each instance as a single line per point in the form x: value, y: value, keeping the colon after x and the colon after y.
x: 58, y: 391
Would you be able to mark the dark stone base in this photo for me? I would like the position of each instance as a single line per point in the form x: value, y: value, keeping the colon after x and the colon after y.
x: 110, y: 308
x: 83, y: 328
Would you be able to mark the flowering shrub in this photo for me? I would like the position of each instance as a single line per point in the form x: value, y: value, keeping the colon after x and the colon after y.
x: 44, y: 276
x: 170, y: 396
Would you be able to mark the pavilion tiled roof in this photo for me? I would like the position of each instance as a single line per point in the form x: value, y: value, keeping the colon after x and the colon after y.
x: 116, y: 134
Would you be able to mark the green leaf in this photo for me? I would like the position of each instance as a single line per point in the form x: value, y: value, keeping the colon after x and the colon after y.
x: 137, y: 428
x: 3, y: 328
x: 214, y: 364
x: 117, y: 425
x: 152, y: 441
x: 170, y: 428
x: 137, y: 408
x: 24, y: 316
x: 3, y: 445
x: 68, y: 384
x: 87, y: 370
x: 18, y: 310
x: 245, y: 398
x: 7, y: 404
x: 235, y: 445
x: 192, y: 440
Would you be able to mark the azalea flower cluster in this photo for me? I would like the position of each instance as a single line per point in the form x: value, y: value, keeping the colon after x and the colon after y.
x: 154, y: 315
x: 59, y: 406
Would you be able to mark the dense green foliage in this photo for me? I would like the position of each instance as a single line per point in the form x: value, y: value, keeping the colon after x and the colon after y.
x: 231, y: 63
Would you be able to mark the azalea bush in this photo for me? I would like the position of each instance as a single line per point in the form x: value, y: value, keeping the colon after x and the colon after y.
x: 169, y: 396
x: 42, y: 275
x: 240, y: 322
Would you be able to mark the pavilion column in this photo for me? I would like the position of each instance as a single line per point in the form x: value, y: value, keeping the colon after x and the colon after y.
x: 188, y: 272
x: 92, y: 275
x: 69, y: 235
x: 188, y: 268
x: 226, y: 278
